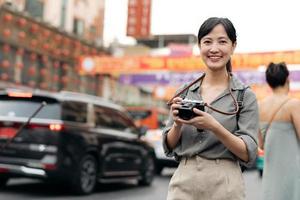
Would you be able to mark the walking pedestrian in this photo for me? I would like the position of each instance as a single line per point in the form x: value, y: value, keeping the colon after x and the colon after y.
x: 212, y: 145
x: 280, y: 137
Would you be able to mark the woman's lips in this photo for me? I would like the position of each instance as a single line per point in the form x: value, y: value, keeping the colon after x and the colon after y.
x: 214, y: 58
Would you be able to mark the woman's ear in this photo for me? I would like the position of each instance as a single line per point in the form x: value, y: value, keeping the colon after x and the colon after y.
x: 233, y: 47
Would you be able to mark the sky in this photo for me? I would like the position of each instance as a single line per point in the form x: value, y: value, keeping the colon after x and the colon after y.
x: 261, y: 25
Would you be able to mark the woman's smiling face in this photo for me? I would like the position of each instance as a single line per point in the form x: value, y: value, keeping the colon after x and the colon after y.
x: 216, y: 48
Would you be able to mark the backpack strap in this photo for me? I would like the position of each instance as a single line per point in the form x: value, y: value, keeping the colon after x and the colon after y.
x: 240, y: 99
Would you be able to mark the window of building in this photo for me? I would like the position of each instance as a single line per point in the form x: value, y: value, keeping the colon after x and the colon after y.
x: 35, y: 8
x: 63, y: 13
x: 78, y: 27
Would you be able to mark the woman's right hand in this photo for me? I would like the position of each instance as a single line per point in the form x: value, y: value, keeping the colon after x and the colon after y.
x: 175, y: 132
x: 176, y: 103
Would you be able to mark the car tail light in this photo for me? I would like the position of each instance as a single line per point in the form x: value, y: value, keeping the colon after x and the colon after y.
x: 52, y: 127
x: 49, y: 162
x: 3, y: 170
x: 49, y: 166
x: 35, y: 126
x: 55, y: 127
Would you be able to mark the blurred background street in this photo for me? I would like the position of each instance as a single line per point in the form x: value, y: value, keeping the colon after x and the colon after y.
x: 28, y: 189
x: 102, y: 71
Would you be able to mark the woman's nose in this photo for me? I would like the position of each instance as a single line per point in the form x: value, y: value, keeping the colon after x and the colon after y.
x: 214, y: 47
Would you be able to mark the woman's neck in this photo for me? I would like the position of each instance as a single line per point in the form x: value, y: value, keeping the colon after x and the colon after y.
x: 281, y: 91
x: 216, y: 78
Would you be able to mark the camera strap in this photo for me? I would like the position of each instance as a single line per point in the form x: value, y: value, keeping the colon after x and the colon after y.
x: 185, y: 89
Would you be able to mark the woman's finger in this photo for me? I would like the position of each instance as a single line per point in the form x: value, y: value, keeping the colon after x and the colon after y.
x: 198, y: 112
x: 177, y: 100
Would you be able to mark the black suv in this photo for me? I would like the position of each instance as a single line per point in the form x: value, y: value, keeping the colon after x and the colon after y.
x: 75, y: 138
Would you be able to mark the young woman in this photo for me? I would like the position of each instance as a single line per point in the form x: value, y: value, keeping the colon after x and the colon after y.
x: 211, y: 145
x: 280, y: 131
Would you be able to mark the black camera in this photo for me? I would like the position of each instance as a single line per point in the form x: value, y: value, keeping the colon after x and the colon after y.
x: 186, y: 110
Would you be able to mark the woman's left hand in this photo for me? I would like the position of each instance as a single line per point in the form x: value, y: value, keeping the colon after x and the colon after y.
x: 203, y: 121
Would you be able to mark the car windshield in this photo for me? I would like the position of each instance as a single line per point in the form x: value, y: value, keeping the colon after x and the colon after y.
x: 25, y: 107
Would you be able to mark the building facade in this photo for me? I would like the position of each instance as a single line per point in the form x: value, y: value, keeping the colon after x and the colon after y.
x: 41, y: 41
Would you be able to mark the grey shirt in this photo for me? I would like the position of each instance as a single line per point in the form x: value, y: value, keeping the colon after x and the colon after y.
x: 205, y: 143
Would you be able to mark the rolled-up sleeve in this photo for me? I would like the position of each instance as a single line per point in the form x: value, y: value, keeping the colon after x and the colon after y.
x: 248, y: 126
x: 167, y: 150
x: 170, y: 152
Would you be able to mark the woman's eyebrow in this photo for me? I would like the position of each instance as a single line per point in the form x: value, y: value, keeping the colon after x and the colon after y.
x: 223, y: 37
x: 207, y: 38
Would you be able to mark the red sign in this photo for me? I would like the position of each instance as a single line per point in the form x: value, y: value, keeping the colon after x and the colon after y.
x: 111, y: 65
x: 138, y: 21
x: 135, y: 64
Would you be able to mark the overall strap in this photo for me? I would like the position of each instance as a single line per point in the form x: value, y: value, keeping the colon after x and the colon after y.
x: 263, y: 136
x: 274, y: 114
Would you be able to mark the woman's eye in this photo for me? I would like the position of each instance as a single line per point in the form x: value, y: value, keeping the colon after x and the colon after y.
x: 206, y: 42
x: 223, y: 41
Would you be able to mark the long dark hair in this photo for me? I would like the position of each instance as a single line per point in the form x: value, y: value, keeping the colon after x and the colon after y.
x: 208, y: 26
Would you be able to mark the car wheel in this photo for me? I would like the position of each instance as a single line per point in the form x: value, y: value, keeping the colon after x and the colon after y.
x: 85, y: 179
x: 3, y: 181
x: 148, y: 171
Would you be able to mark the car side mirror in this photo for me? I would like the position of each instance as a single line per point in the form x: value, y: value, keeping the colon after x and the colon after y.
x: 142, y: 130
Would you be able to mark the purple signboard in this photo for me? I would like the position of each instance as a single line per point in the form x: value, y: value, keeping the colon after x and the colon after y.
x: 158, y: 78
x: 169, y: 78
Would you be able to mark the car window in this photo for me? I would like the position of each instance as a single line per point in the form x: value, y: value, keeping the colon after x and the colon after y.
x: 74, y: 111
x: 110, y: 118
x: 25, y: 107
x: 122, y: 122
x: 103, y: 117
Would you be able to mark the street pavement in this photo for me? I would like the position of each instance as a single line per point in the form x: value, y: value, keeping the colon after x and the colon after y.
x: 20, y: 189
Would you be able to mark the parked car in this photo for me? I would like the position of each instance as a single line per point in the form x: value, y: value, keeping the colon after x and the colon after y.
x: 153, y: 118
x: 76, y: 138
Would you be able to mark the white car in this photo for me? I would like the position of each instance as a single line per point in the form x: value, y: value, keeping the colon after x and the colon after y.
x: 154, y: 136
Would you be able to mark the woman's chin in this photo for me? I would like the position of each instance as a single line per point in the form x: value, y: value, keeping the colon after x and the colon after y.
x: 216, y: 67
